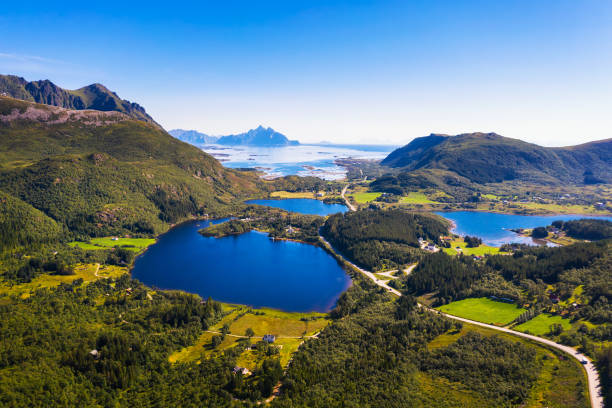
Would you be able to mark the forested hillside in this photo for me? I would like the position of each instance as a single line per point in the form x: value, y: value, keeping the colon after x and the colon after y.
x: 101, y: 173
x: 373, y: 238
x: 491, y: 158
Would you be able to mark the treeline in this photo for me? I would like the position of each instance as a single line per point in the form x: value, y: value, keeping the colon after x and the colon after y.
x: 546, y: 263
x: 23, y: 225
x: 276, y: 222
x: 107, y: 344
x: 587, y: 228
x: 448, y: 275
x: 301, y: 184
x: 377, y: 238
x: 378, y: 356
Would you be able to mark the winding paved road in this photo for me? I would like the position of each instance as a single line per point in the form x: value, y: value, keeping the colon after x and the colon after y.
x: 591, y: 371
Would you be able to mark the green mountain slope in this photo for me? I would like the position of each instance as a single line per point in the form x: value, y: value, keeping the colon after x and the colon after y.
x: 94, y: 96
x: 22, y: 224
x: 102, y: 173
x: 488, y: 157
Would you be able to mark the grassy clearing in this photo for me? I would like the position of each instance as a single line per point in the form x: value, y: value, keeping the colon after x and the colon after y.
x: 289, y: 194
x: 540, y: 325
x: 363, y: 197
x: 133, y: 244
x: 561, y: 381
x: 562, y: 208
x: 87, y: 272
x: 416, y: 198
x: 286, y: 326
x: 481, y: 250
x: 490, y: 196
x: 483, y: 310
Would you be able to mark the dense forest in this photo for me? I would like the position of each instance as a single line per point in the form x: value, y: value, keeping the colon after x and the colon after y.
x: 374, y: 239
x: 101, y: 173
x: 587, y: 228
x: 380, y: 355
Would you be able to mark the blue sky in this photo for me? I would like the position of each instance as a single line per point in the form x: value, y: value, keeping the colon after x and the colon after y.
x: 344, y: 71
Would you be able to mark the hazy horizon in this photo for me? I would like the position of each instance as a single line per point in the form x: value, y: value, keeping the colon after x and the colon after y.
x: 342, y: 71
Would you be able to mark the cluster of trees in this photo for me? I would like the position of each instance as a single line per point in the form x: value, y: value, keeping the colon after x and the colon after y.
x: 100, y: 345
x: 377, y: 355
x: 376, y: 238
x: 483, y: 361
x: 527, y: 315
x: 587, y: 228
x: 539, y: 232
x: 274, y: 221
x: 472, y: 242
x: 546, y: 263
x: 450, y: 276
x: 300, y: 184
x: 34, y: 266
x: 174, y: 207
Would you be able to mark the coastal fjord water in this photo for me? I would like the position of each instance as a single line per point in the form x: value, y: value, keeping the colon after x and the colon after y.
x: 318, y: 160
x: 303, y: 206
x: 247, y: 269
x: 494, y: 228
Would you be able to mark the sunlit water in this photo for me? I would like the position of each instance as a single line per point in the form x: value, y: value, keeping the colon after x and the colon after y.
x: 494, y: 228
x: 301, y: 160
x: 247, y: 269
x: 303, y: 205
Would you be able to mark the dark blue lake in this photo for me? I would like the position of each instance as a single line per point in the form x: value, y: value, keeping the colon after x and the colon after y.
x: 494, y: 228
x: 303, y: 205
x: 248, y: 269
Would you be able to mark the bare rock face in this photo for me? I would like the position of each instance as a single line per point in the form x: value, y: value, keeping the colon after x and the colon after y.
x: 92, y: 97
x: 53, y: 115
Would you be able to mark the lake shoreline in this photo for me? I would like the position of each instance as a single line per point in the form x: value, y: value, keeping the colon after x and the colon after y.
x: 241, y: 270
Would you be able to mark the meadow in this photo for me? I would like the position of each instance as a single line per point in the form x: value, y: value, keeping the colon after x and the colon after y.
x: 540, y: 325
x: 133, y: 244
x: 416, y: 198
x: 363, y: 197
x: 483, y: 310
x: 290, y: 329
x: 481, y: 250
x: 87, y: 272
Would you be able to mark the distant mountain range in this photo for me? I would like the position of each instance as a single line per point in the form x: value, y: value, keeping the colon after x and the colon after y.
x: 260, y: 136
x: 491, y: 158
x: 94, y: 96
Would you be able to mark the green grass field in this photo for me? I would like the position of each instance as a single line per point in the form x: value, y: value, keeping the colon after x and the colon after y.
x: 540, y: 325
x: 483, y: 310
x: 87, y: 272
x: 133, y: 244
x: 479, y: 251
x: 289, y: 194
x: 363, y: 198
x: 416, y: 198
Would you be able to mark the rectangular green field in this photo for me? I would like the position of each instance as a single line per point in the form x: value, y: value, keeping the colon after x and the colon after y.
x: 483, y: 310
x: 134, y: 244
x: 540, y: 325
x: 362, y: 198
x: 481, y: 250
x: 416, y: 198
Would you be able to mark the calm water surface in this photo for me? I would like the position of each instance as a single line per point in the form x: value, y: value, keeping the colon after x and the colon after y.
x: 303, y: 205
x: 247, y: 269
x: 494, y: 228
x: 303, y: 160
